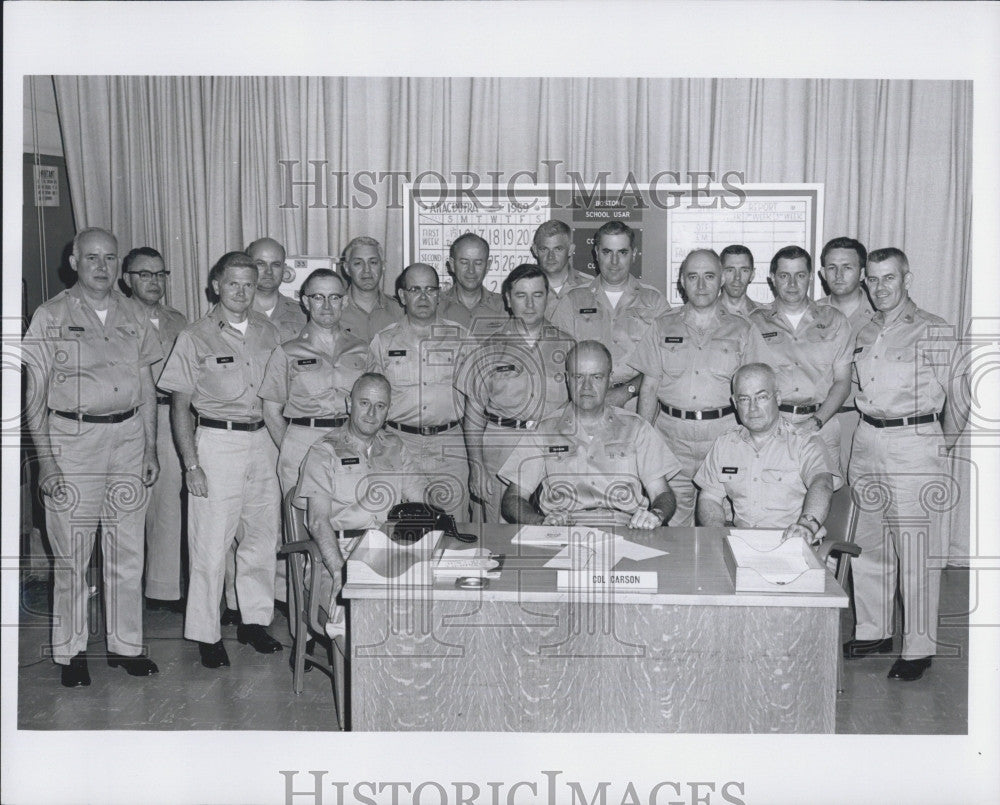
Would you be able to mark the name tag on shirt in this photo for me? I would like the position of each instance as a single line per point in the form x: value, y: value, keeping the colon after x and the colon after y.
x: 73, y: 329
x: 730, y: 470
x: 559, y: 448
x: 306, y: 362
x: 769, y: 335
x: 347, y: 462
x: 858, y: 349
x: 397, y: 353
x: 673, y: 339
x: 588, y: 310
x: 507, y: 367
x: 225, y: 359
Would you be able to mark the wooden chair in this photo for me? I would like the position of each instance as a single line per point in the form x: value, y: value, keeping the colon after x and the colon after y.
x: 307, y: 612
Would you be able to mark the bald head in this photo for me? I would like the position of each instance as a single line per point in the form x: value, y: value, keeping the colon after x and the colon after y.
x: 701, y: 277
x: 370, y: 397
x: 588, y: 374
x: 269, y: 257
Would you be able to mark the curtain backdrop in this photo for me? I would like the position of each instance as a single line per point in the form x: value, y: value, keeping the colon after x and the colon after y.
x: 193, y: 165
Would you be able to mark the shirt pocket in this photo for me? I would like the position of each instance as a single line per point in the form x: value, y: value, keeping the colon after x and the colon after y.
x: 637, y: 322
x: 724, y: 356
x: 779, y: 483
x: 309, y: 380
x: 621, y: 458
x: 222, y: 381
x: 399, y: 369
x: 347, y: 369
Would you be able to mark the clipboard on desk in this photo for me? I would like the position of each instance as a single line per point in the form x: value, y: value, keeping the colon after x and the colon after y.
x: 760, y: 562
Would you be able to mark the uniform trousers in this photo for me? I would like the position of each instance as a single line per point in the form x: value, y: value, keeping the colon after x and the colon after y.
x: 443, y: 464
x: 243, y: 505
x: 690, y: 440
x: 163, y: 517
x: 498, y: 444
x: 848, y: 425
x: 101, y: 466
x: 902, y: 486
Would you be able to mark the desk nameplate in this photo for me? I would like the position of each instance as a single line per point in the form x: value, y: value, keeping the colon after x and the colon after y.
x: 632, y: 581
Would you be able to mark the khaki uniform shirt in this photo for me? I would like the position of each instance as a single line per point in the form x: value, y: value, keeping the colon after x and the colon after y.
x: 168, y: 325
x: 488, y: 315
x: 364, y: 325
x: 903, y: 366
x: 604, y: 472
x: 308, y: 381
x: 576, y: 279
x: 288, y: 317
x: 363, y: 485
x: 90, y: 367
x: 421, y: 371
x: 747, y: 306
x: 220, y: 367
x: 767, y: 486
x: 586, y: 314
x: 694, y: 367
x: 858, y: 319
x: 507, y: 376
x: 806, y: 357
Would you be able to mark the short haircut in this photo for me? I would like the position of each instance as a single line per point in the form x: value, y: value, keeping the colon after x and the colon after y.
x: 550, y: 229
x: 230, y: 260
x: 138, y: 251
x: 401, y: 279
x: 595, y: 345
x: 368, y: 377
x: 695, y: 253
x: 844, y: 243
x: 614, y: 228
x: 90, y: 230
x: 361, y: 240
x: 267, y: 240
x: 754, y: 368
x: 881, y: 255
x: 734, y: 249
x: 791, y: 253
x: 468, y: 237
x: 318, y: 274
x: 525, y: 271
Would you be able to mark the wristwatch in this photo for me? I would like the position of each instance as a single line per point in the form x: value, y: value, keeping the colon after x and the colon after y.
x: 818, y: 421
x: 632, y: 388
x: 812, y: 520
x: 194, y: 466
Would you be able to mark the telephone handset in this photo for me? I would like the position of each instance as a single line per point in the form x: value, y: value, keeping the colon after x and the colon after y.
x: 408, y: 522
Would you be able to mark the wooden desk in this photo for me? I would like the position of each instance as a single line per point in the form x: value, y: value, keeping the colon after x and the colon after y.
x: 523, y: 656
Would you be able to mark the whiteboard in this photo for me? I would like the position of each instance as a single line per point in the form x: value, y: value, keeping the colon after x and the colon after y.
x: 669, y: 221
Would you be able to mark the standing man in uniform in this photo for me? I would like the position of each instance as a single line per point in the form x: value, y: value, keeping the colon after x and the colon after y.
x: 216, y: 369
x: 467, y: 301
x: 842, y: 261
x: 145, y: 274
x: 282, y: 311
x: 614, y: 308
x: 553, y: 248
x: 687, y: 359
x: 92, y: 416
x: 737, y: 274
x: 591, y: 459
x: 366, y: 310
x: 419, y: 356
x: 901, y: 360
x: 809, y: 348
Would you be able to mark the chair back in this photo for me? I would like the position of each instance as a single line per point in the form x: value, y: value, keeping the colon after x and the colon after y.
x: 840, y: 521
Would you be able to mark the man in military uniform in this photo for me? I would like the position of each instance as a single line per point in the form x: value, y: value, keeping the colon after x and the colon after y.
x: 902, y: 362
x: 737, y: 274
x: 614, y: 308
x: 552, y: 247
x: 842, y: 261
x: 216, y: 368
x: 282, y: 311
x: 774, y: 476
x: 145, y: 274
x: 419, y: 356
x: 366, y: 310
x: 467, y: 301
x: 592, y: 460
x: 809, y: 347
x: 92, y: 415
x: 687, y: 359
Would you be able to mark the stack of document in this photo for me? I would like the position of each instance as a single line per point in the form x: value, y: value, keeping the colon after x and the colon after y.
x: 459, y: 563
x: 582, y: 547
x: 379, y: 560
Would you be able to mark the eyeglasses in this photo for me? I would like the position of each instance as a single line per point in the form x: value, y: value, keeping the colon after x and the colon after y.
x: 331, y: 298
x: 146, y: 276
x: 761, y: 398
x: 429, y: 290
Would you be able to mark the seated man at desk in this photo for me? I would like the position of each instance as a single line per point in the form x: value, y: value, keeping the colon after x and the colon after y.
x: 593, y: 462
x: 352, y: 476
x: 774, y: 476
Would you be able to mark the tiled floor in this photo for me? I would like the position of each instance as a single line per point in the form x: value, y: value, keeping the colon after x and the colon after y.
x: 256, y: 692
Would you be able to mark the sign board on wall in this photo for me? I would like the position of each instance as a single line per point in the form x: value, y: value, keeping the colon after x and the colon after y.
x: 298, y: 268
x: 46, y: 186
x: 669, y: 222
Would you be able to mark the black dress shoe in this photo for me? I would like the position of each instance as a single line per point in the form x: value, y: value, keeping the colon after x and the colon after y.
x: 230, y: 617
x: 281, y: 606
x: 310, y: 645
x: 76, y: 675
x: 163, y: 605
x: 909, y: 670
x: 864, y: 648
x: 134, y: 666
x: 213, y: 655
x: 257, y: 636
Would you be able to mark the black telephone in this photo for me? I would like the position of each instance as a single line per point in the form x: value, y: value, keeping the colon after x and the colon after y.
x: 408, y: 522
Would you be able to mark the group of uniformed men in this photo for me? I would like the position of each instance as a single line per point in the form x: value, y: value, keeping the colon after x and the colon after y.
x: 565, y: 398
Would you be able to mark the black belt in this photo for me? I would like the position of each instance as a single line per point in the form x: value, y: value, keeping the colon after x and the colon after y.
x: 505, y: 422
x: 429, y: 430
x: 798, y: 409
x: 160, y: 400
x: 97, y: 419
x: 225, y: 424
x: 898, y: 423
x: 711, y: 413
x: 308, y: 422
x: 350, y: 533
x: 847, y: 409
